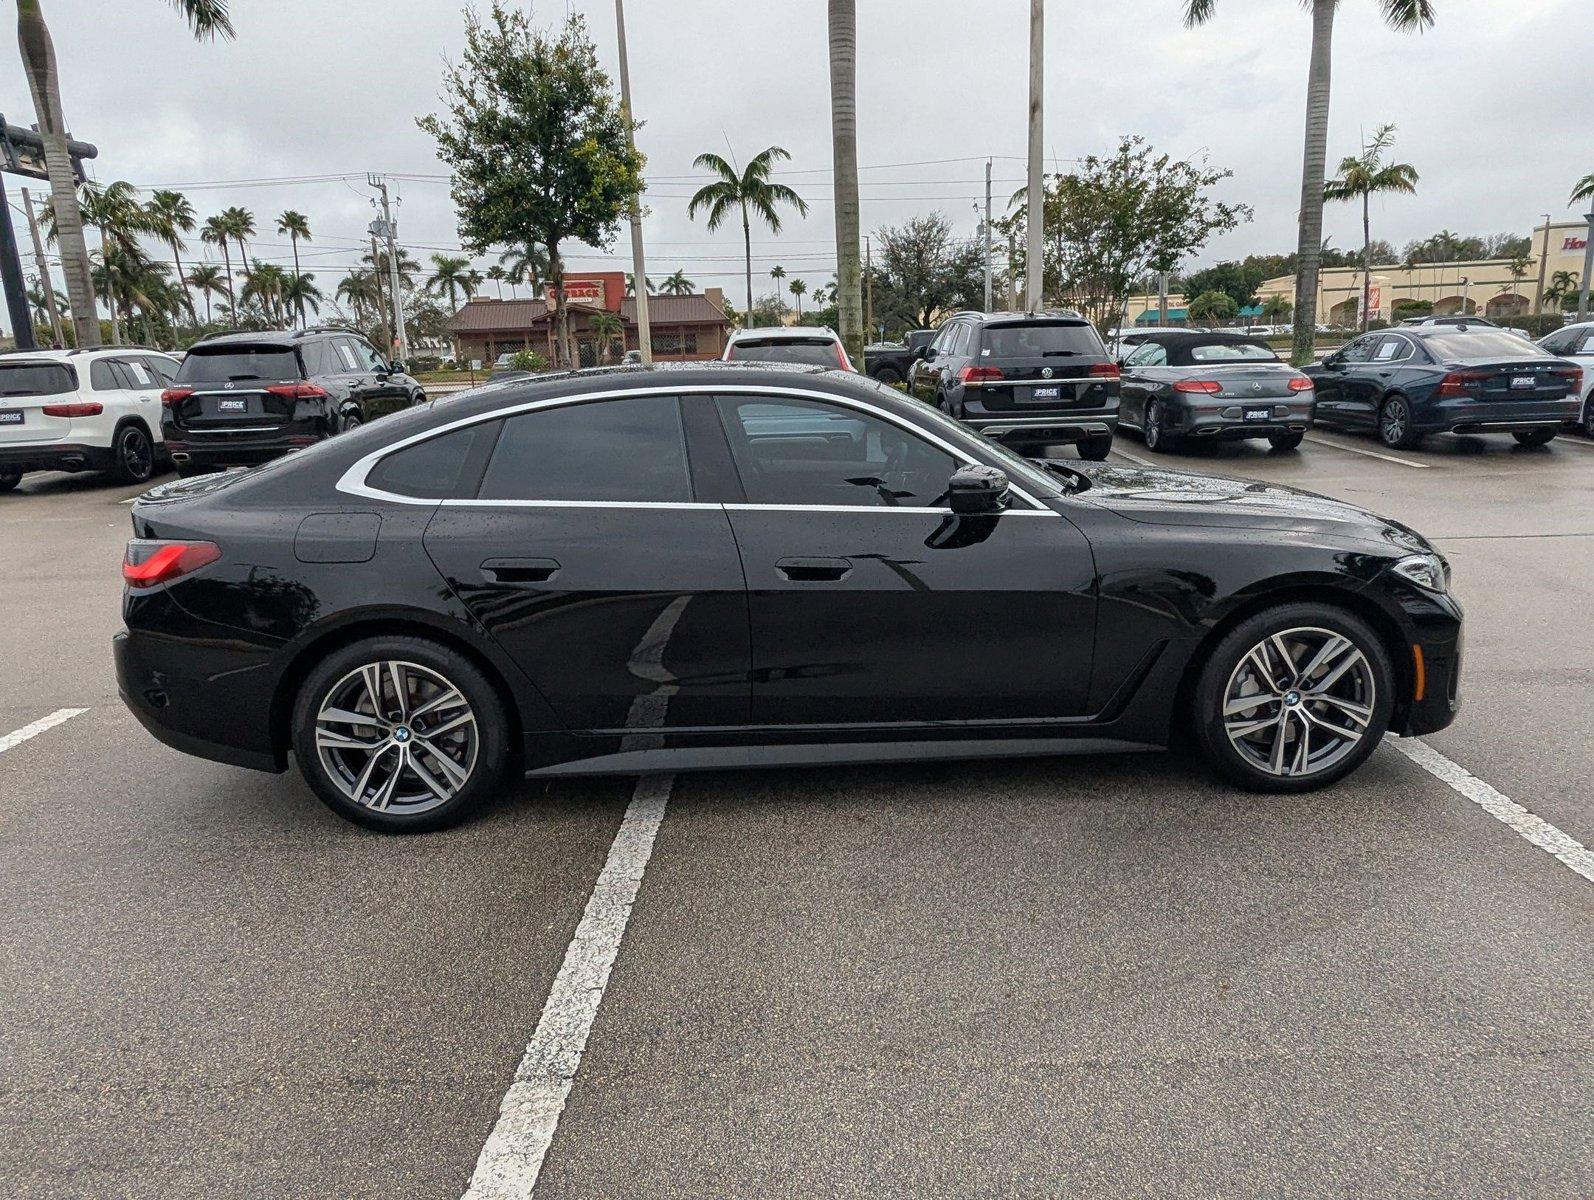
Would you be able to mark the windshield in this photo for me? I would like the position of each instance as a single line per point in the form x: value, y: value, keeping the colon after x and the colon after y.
x: 818, y: 352
x: 1484, y: 343
x: 1040, y: 339
x: 1231, y: 352
x: 239, y: 362
x: 36, y: 379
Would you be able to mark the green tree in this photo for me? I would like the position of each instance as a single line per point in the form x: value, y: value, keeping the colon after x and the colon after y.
x: 797, y: 288
x: 114, y: 210
x: 264, y: 285
x: 777, y: 273
x: 205, y: 18
x: 1277, y: 309
x: 607, y: 328
x: 1236, y: 280
x: 1400, y: 14
x: 241, y: 224
x: 168, y: 215
x: 300, y: 293
x: 527, y: 265
x: 921, y: 270
x: 1361, y: 177
x: 1213, y: 306
x: 297, y: 226
x: 497, y: 274
x: 1582, y: 190
x: 537, y: 145
x: 208, y: 279
x: 215, y: 232
x: 451, y: 276
x: 676, y: 284
x: 630, y: 284
x: 749, y: 191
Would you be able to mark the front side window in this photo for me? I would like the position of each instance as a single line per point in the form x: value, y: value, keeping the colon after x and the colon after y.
x: 1358, y: 351
x: 1150, y: 354
x: 163, y: 369
x: 368, y: 358
x: 812, y: 453
x: 628, y: 450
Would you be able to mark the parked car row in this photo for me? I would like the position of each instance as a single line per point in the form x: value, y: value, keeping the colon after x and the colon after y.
x: 232, y: 400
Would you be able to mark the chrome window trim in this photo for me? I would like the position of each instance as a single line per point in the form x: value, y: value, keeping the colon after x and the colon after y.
x: 352, y: 481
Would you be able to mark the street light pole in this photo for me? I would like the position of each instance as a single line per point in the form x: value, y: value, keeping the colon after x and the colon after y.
x: 1034, y: 223
x: 987, y: 235
x: 1588, y: 269
x: 644, y: 329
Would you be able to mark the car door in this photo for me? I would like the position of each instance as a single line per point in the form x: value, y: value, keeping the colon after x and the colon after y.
x: 926, y: 379
x: 143, y: 389
x: 871, y: 604
x: 1139, y: 381
x: 1368, y: 382
x: 384, y: 390
x: 1336, y: 380
x: 587, y: 555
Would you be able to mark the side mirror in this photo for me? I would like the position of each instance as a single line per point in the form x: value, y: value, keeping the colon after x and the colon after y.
x: 924, y: 352
x: 396, y: 367
x: 977, y: 489
x: 1333, y: 362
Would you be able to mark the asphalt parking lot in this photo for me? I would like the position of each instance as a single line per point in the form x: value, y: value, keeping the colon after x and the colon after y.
x: 1084, y: 976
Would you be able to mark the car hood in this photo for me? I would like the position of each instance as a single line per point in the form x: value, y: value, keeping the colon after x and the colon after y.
x: 1155, y: 496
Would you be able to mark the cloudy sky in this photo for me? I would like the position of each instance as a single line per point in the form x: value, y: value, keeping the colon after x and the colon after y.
x: 1492, y: 107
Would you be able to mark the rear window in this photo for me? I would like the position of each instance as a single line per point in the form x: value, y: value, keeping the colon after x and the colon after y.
x: 1484, y: 343
x: 818, y: 352
x: 1231, y: 352
x: 239, y: 362
x: 36, y: 379
x: 1040, y: 339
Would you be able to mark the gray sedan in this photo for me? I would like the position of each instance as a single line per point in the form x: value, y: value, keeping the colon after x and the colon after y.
x: 1180, y: 387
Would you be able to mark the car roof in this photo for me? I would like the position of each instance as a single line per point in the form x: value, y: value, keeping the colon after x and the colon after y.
x: 1186, y: 337
x: 776, y: 332
x: 1018, y: 318
x: 50, y: 354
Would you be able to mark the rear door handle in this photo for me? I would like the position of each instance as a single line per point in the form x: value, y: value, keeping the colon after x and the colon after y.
x: 814, y: 570
x: 520, y: 570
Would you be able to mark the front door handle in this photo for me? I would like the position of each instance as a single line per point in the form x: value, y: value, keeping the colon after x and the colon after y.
x: 814, y: 570
x: 519, y: 570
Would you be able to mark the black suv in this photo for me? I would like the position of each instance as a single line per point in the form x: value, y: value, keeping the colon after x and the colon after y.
x: 244, y: 398
x: 1027, y: 380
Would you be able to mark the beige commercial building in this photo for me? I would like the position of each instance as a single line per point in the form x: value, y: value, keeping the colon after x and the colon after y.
x: 1485, y: 286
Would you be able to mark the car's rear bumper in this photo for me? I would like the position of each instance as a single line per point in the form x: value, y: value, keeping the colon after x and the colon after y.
x: 231, y: 450
x: 58, y: 456
x: 1500, y: 416
x: 1226, y: 421
x: 1045, y: 427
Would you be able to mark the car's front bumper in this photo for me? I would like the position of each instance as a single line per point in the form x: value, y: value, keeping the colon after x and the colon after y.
x: 1429, y: 658
x: 57, y: 456
x: 1496, y: 416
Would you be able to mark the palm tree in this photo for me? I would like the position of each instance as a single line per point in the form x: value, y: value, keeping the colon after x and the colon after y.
x: 208, y: 279
x: 630, y: 284
x: 206, y: 19
x: 265, y: 282
x: 777, y: 273
x: 606, y: 327
x: 497, y: 275
x: 1583, y: 190
x: 450, y: 277
x: 1562, y: 284
x: 297, y: 226
x: 168, y: 215
x: 527, y: 265
x: 676, y: 284
x: 843, y: 28
x: 1360, y: 177
x: 1399, y: 14
x: 750, y: 191
x: 115, y: 211
x: 215, y: 232
x: 300, y: 293
x: 360, y: 291
x: 241, y: 224
x: 797, y: 288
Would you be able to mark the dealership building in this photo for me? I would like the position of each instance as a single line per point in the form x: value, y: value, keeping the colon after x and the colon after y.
x: 689, y: 328
x: 1484, y: 286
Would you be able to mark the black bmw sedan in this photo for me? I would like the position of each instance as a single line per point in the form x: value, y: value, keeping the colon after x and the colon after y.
x: 726, y: 566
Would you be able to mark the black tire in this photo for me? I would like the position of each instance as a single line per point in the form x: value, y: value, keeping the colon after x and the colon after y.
x: 9, y: 480
x: 1155, y: 430
x: 1221, y: 667
x: 1285, y: 441
x: 1535, y: 437
x: 889, y: 375
x: 1095, y: 449
x: 132, y: 455
x: 349, y: 420
x: 1394, y: 424
x: 1588, y: 416
x: 426, y: 663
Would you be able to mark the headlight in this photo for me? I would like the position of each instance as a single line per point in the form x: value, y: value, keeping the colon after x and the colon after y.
x: 1427, y: 571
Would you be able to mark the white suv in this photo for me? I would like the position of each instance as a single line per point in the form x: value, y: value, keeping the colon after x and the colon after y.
x: 1576, y: 342
x: 82, y: 410
x: 811, y: 344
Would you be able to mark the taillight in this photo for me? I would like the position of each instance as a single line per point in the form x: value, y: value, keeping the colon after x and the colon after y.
x: 297, y: 391
x: 1459, y: 383
x: 841, y: 357
x: 979, y: 374
x: 149, y: 562
x: 1301, y: 384
x: 87, y: 408
x: 172, y: 395
x: 1573, y: 376
x: 1205, y: 387
x: 1105, y: 370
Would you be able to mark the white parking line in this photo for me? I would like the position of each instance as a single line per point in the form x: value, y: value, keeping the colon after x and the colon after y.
x: 1319, y: 440
x: 17, y: 737
x: 1502, y: 808
x: 512, y: 1156
x: 1572, y: 441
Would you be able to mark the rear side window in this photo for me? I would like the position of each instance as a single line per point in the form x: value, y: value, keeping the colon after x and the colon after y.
x: 439, y: 468
x: 238, y: 362
x: 632, y: 449
x: 819, y: 352
x: 1040, y: 339
x: 104, y: 377
x: 36, y: 379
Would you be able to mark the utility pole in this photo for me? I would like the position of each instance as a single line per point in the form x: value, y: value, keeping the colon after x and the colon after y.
x: 1012, y: 270
x: 1162, y: 299
x: 381, y: 300
x: 387, y: 229
x: 644, y: 329
x: 868, y: 287
x: 1544, y: 262
x: 44, y: 272
x: 1588, y: 268
x: 11, y: 274
x: 987, y: 235
x: 1035, y: 221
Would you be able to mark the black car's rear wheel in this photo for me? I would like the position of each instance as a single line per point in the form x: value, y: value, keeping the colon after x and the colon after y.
x: 1156, y: 433
x: 1394, y: 425
x: 1294, y: 698
x: 1285, y: 441
x: 349, y: 420
x: 9, y: 480
x: 889, y: 375
x: 1095, y: 449
x: 132, y: 455
x: 1535, y: 437
x: 1588, y: 416
x: 400, y: 734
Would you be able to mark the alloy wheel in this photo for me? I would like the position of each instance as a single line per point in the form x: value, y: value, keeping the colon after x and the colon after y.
x: 396, y: 737
x: 135, y: 455
x: 1152, y: 430
x: 1299, y: 702
x: 1392, y: 422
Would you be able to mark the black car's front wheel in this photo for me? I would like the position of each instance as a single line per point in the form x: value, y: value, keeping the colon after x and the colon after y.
x: 400, y: 734
x: 1293, y: 698
x: 1535, y: 437
x: 1095, y: 449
